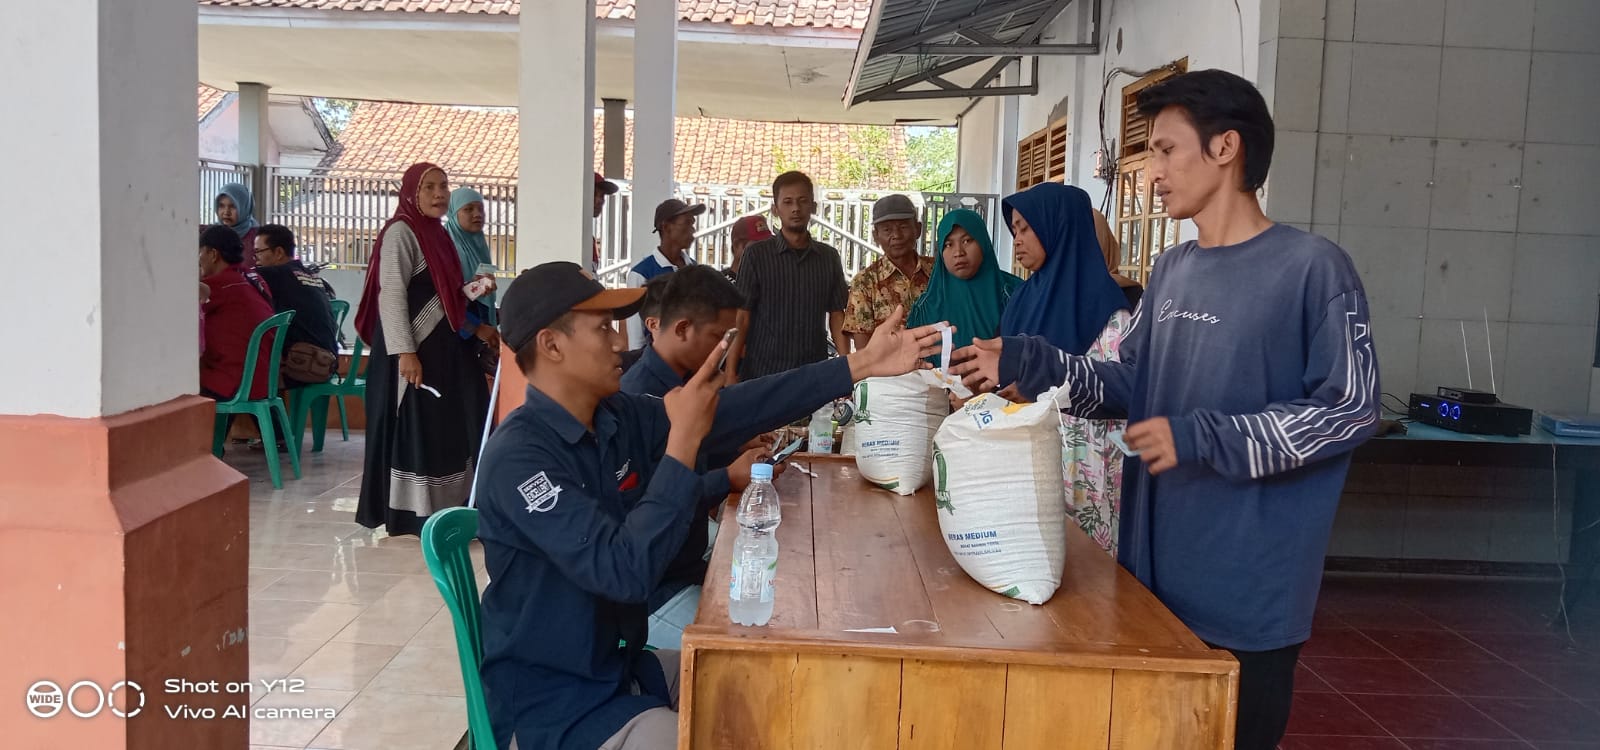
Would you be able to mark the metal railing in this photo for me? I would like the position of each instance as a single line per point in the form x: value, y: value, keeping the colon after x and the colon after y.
x: 336, y: 215
x: 213, y: 175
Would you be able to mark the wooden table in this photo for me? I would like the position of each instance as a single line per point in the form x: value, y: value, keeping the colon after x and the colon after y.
x: 1102, y: 664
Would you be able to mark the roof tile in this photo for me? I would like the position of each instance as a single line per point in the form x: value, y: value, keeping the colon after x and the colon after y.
x: 482, y: 141
x: 835, y: 14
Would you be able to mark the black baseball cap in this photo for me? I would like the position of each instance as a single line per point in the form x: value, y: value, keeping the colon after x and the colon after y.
x: 604, y: 185
x: 672, y: 208
x: 544, y: 293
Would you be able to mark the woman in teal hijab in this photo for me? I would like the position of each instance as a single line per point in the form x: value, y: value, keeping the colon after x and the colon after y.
x: 968, y: 289
x: 465, y: 224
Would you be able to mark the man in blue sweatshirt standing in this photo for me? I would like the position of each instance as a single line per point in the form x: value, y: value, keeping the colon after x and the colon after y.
x: 1247, y: 376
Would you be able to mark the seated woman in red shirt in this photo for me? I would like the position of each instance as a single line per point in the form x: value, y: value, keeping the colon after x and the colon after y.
x: 231, y: 314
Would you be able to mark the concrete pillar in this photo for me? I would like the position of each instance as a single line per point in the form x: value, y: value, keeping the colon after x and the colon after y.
x: 616, y: 138
x: 655, y: 83
x: 556, y: 144
x: 255, y: 133
x: 1006, y: 159
x: 127, y: 541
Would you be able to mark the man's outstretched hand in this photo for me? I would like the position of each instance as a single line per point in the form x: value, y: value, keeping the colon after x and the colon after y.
x: 895, y: 349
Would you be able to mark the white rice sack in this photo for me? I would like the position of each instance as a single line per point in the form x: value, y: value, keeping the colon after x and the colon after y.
x: 895, y: 419
x: 997, y: 483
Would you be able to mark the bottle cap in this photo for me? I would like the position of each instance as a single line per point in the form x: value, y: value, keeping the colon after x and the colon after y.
x: 761, y: 472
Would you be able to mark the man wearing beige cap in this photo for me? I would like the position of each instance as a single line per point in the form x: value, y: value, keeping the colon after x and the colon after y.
x: 896, y: 279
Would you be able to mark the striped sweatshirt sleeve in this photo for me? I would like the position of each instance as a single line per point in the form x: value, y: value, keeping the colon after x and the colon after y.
x: 1095, y: 389
x: 1340, y: 413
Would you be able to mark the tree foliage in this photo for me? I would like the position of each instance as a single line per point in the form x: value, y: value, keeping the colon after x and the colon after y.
x: 335, y: 113
x: 931, y: 159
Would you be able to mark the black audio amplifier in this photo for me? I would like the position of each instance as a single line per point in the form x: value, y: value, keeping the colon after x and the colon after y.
x: 1470, y: 415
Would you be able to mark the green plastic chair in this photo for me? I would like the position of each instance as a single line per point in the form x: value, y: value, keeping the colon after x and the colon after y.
x: 445, y: 540
x: 261, y: 409
x: 312, y: 399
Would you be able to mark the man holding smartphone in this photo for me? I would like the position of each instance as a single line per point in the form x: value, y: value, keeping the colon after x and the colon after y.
x: 586, y: 495
x: 698, y: 309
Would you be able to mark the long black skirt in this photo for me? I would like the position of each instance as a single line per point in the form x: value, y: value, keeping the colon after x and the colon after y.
x: 421, y: 448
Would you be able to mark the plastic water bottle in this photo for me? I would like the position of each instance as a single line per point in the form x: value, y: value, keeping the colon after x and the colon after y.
x: 755, y: 551
x: 821, y: 430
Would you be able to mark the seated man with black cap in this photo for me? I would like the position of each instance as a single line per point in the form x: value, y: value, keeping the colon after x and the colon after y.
x: 586, y: 495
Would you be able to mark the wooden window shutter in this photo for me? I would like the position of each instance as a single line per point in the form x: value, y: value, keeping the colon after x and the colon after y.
x: 1135, y: 127
x: 1042, y: 156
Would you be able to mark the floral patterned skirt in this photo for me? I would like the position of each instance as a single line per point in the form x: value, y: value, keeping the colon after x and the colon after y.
x: 1091, y: 470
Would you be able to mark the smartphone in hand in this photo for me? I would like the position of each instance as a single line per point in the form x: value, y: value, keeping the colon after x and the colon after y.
x: 788, y: 450
x: 727, y: 338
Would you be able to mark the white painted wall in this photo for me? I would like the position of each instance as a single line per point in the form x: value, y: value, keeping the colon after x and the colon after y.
x: 219, y: 139
x: 105, y: 323
x: 219, y: 133
x: 556, y: 140
x: 1154, y: 32
x: 655, y: 87
x: 1450, y: 148
x: 976, y: 168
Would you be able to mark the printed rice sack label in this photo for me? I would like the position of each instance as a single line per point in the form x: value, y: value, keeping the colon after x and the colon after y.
x: 894, y: 422
x: 997, y: 486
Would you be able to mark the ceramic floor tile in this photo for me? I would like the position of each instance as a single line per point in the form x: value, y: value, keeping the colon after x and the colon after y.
x: 1485, y: 616
x: 1343, y: 642
x: 1387, y: 618
x: 425, y: 670
x: 1336, y: 742
x: 301, y: 556
x: 1459, y: 744
x: 325, y: 509
x: 1306, y: 681
x: 1543, y: 720
x: 1428, y: 644
x: 293, y: 530
x: 389, y: 623
x: 1330, y: 714
x: 344, y: 666
x: 1379, y: 676
x: 271, y: 658
x: 260, y: 578
x: 414, y: 589
x: 1429, y: 716
x: 1484, y: 679
x: 439, y: 632
x: 311, y: 586
x: 1531, y: 647
x: 389, y: 559
x: 396, y: 721
x: 308, y: 621
x: 294, y: 719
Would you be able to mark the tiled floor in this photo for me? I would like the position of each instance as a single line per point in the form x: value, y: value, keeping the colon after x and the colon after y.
x: 350, y: 611
x: 1393, y: 664
x: 1429, y: 664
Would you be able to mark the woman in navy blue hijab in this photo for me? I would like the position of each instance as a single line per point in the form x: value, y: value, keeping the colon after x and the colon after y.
x: 1069, y: 296
x: 1071, y: 300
